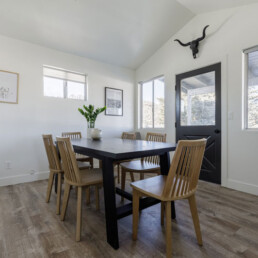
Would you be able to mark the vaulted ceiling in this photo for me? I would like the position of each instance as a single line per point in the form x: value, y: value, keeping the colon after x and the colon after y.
x: 202, y: 6
x: 118, y: 32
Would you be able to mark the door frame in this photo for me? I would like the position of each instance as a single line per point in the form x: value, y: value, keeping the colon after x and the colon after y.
x: 218, y: 115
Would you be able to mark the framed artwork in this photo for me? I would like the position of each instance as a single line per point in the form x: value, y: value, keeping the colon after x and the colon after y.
x: 9, y: 83
x: 113, y: 102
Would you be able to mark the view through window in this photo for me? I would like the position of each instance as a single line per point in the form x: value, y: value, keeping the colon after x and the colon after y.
x: 198, y: 100
x: 59, y: 83
x: 152, y: 103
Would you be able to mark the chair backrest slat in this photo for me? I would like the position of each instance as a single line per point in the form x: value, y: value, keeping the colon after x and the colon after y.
x: 154, y: 137
x: 185, y: 168
x: 72, y: 135
x: 52, y: 156
x: 128, y: 136
x: 70, y: 166
x: 182, y: 171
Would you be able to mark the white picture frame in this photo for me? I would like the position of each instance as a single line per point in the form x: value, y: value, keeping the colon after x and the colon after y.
x: 9, y: 83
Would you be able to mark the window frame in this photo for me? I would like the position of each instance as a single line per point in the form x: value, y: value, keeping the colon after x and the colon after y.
x: 153, y: 104
x: 65, y: 83
x: 245, y: 69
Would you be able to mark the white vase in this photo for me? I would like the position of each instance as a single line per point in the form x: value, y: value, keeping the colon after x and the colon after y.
x: 96, y: 134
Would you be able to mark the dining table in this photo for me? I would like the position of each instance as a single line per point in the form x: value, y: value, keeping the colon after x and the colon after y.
x: 110, y: 150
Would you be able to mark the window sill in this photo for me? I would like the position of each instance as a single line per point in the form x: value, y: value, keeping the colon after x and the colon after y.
x: 248, y: 130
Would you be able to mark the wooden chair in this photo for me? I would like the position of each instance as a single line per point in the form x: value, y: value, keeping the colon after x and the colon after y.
x: 78, y: 178
x: 125, y: 136
x: 79, y: 157
x: 180, y: 183
x: 128, y: 136
x: 55, y: 168
x: 144, y: 165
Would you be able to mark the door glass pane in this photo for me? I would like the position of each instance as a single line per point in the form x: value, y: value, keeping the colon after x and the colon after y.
x: 147, y: 105
x: 198, y: 100
x: 252, y: 102
x: 75, y: 90
x: 159, y: 106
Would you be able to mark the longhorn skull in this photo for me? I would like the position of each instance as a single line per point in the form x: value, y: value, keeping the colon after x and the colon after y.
x: 195, y: 43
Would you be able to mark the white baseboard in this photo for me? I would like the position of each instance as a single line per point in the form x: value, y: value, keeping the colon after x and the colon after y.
x: 13, y: 180
x: 243, y: 187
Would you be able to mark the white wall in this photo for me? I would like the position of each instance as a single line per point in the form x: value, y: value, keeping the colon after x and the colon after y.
x: 229, y: 33
x: 22, y: 125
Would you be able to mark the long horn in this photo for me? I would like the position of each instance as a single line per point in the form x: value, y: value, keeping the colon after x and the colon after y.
x: 183, y: 44
x: 203, y: 33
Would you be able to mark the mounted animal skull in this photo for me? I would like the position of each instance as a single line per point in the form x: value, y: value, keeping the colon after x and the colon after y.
x: 195, y: 43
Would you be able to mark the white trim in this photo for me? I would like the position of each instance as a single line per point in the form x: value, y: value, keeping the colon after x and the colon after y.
x: 245, y: 88
x: 243, y: 187
x: 250, y: 130
x: 13, y: 180
x: 244, y: 91
x: 224, y: 120
x: 250, y: 49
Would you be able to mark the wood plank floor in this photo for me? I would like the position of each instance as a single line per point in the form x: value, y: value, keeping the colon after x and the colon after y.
x: 30, y: 228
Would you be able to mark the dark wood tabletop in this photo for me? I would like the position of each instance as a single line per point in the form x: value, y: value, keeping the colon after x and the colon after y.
x: 119, y: 149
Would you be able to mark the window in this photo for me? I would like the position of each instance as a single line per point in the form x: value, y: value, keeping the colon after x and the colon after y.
x: 59, y: 83
x: 251, y: 88
x: 198, y: 100
x: 152, y: 103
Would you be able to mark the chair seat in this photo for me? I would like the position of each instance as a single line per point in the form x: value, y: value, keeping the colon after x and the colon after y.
x: 81, y: 165
x: 81, y: 157
x: 121, y: 161
x: 152, y: 186
x: 91, y: 176
x: 140, y: 166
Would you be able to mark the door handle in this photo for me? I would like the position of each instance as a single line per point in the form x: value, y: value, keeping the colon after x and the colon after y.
x: 217, y: 131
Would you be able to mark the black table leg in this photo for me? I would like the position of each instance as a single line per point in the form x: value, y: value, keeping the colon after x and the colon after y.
x: 164, y: 168
x: 110, y: 202
x: 56, y: 182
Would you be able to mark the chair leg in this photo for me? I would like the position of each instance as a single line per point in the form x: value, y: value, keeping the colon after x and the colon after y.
x: 118, y: 174
x: 97, y: 197
x: 168, y: 230
x: 59, y: 190
x: 123, y: 174
x: 50, y: 185
x: 135, y: 213
x: 79, y: 214
x: 132, y: 176
x: 141, y: 176
x: 65, y: 200
x: 196, y: 222
x: 91, y: 162
x: 162, y: 208
x: 87, y: 195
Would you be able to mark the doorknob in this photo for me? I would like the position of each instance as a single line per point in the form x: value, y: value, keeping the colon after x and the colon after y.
x: 217, y: 131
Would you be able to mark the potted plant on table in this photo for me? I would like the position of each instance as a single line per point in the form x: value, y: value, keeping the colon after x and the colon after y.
x: 91, y: 115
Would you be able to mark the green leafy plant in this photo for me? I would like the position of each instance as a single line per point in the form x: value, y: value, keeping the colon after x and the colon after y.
x: 90, y: 114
